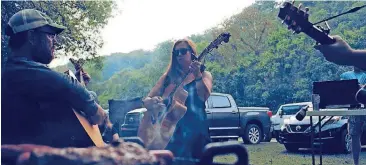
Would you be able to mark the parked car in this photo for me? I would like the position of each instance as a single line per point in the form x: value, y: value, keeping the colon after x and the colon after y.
x: 131, y: 123
x: 285, y: 112
x: 295, y: 134
x: 226, y: 120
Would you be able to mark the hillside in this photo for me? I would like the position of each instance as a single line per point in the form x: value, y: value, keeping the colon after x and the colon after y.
x: 264, y: 64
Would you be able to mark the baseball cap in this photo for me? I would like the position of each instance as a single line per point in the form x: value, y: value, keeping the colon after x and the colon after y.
x: 29, y: 19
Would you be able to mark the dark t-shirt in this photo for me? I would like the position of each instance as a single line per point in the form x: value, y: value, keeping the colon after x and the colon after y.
x: 37, y: 105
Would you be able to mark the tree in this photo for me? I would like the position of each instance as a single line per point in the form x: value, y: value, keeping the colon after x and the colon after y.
x: 83, y: 19
x: 271, y: 70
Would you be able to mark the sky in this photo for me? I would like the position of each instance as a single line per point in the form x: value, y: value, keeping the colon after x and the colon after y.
x: 142, y: 24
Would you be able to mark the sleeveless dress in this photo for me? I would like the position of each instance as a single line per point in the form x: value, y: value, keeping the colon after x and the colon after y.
x: 191, y: 134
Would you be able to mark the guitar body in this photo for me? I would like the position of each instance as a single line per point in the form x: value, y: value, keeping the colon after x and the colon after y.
x: 157, y: 136
x: 92, y: 130
x: 175, y: 112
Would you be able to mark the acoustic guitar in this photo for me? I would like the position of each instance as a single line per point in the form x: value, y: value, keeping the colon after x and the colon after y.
x: 92, y: 130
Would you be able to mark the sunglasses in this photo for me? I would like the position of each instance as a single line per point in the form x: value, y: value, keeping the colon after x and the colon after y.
x: 53, y: 36
x: 50, y: 34
x: 181, y: 51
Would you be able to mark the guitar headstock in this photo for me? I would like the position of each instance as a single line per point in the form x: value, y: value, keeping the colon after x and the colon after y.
x: 297, y: 20
x: 71, y: 74
x: 77, y: 63
x: 223, y: 37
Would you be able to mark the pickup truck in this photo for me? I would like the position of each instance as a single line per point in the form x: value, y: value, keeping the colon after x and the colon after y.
x: 226, y: 120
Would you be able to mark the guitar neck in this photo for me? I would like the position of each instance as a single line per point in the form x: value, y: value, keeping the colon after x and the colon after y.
x: 81, y: 71
x: 82, y: 82
x: 319, y: 36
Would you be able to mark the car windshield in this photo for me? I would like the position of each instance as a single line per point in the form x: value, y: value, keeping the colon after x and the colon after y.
x: 291, y: 109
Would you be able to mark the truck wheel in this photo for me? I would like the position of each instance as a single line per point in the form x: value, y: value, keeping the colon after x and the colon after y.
x: 291, y: 148
x: 253, y: 134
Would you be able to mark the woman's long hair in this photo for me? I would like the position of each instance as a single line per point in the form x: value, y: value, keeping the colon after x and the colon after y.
x: 173, y: 70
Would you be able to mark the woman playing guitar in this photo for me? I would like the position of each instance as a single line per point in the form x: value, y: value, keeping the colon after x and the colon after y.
x: 191, y: 132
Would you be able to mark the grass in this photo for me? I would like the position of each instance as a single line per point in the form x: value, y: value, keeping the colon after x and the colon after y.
x: 273, y: 153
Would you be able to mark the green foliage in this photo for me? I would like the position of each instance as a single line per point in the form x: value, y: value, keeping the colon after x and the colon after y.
x: 117, y: 61
x: 264, y: 64
x: 83, y: 19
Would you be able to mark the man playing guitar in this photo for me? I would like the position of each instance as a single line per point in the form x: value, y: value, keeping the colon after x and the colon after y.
x: 37, y: 102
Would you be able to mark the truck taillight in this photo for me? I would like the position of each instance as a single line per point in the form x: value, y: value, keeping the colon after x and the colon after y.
x: 269, y: 113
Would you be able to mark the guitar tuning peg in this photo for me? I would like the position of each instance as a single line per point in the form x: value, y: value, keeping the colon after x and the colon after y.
x: 299, y: 8
x: 293, y: 23
x: 293, y: 5
x: 289, y: 27
x: 300, y: 5
x: 298, y: 30
x: 306, y: 14
x: 288, y: 18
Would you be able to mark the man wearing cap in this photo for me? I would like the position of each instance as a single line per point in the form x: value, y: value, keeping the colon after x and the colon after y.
x: 37, y: 102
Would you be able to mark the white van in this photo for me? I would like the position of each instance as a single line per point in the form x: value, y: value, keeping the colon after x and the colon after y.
x: 285, y: 112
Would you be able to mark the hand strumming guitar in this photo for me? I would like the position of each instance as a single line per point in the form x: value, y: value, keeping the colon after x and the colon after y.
x: 154, y: 103
x: 100, y: 118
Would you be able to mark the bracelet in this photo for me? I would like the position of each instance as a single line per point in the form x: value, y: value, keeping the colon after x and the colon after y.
x: 198, y: 79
